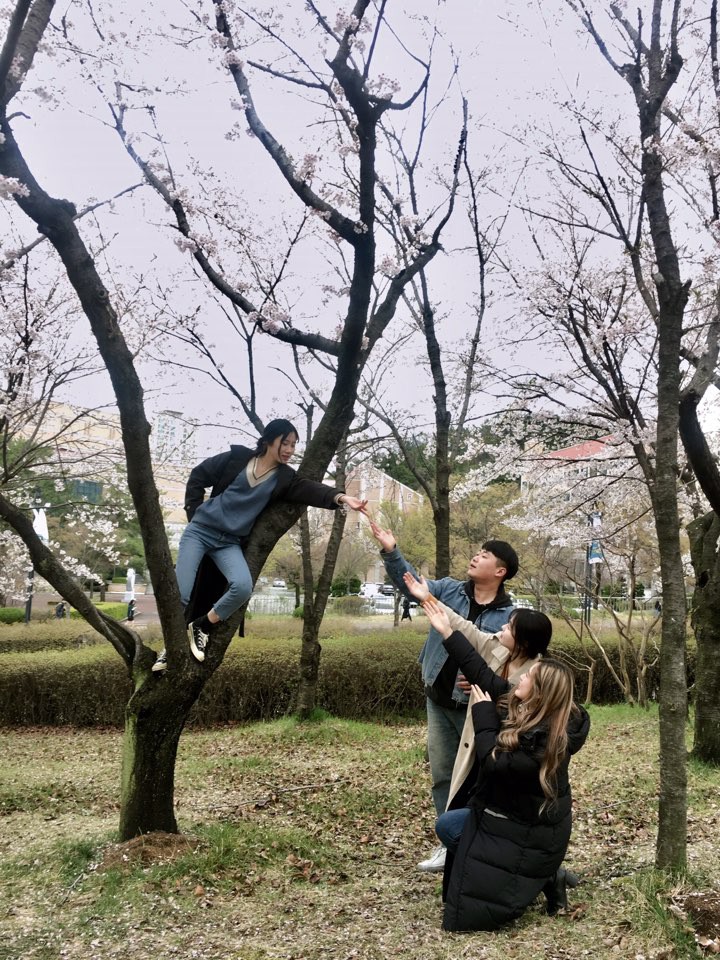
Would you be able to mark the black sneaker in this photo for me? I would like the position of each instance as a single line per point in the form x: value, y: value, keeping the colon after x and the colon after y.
x: 198, y: 641
x: 161, y: 662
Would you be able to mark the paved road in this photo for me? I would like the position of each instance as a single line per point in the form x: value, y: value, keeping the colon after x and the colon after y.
x: 145, y: 606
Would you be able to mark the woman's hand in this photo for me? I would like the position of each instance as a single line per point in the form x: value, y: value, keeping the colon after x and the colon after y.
x: 437, y: 617
x: 383, y: 537
x: 354, y: 503
x: 480, y: 694
x: 416, y: 588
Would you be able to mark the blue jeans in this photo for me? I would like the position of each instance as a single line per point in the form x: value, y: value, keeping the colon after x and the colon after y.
x: 444, y: 730
x: 449, y: 827
x: 195, y: 543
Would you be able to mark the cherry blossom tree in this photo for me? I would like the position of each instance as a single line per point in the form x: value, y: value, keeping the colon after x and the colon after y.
x: 638, y: 346
x: 350, y: 97
x: 595, y: 492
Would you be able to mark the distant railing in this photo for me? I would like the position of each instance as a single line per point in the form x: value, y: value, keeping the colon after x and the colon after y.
x: 572, y: 605
x: 272, y: 603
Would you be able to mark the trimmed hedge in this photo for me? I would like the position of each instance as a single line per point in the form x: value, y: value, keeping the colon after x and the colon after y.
x: 257, y: 681
x: 12, y: 614
x: 53, y: 634
x: 118, y: 611
x: 351, y: 607
x: 371, y: 676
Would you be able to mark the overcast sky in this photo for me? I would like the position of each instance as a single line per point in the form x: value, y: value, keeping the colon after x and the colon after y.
x: 517, y: 61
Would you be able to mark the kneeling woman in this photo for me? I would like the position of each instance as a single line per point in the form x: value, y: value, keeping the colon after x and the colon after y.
x: 508, y: 843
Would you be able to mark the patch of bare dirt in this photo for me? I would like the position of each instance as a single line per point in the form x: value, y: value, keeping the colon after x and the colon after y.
x: 704, y: 912
x: 148, y: 849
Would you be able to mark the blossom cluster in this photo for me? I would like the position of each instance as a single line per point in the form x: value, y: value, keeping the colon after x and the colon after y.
x: 11, y: 187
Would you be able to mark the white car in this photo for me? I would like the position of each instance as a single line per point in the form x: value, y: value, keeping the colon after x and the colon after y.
x: 279, y: 583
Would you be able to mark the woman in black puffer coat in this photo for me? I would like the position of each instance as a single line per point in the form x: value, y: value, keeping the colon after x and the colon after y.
x: 508, y: 844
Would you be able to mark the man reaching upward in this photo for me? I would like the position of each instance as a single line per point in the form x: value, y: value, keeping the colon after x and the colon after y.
x: 482, y: 600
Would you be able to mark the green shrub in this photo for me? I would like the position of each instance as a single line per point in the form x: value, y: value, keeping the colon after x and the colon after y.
x: 12, y: 614
x: 351, y: 607
x: 365, y: 673
x: 342, y: 586
x: 47, y: 635
x: 78, y: 688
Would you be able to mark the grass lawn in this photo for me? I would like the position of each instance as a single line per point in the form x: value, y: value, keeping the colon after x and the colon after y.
x: 301, y: 842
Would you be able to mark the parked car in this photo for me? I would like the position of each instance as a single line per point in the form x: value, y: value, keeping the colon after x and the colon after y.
x: 368, y: 590
x: 387, y: 590
x: 279, y: 583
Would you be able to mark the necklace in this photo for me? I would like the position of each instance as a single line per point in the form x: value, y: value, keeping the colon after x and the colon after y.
x: 264, y: 473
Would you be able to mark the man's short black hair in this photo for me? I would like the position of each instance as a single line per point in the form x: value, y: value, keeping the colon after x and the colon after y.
x: 505, y: 554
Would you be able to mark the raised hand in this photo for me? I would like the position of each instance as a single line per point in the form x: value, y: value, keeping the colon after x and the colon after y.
x: 416, y: 588
x: 383, y: 537
x: 437, y: 617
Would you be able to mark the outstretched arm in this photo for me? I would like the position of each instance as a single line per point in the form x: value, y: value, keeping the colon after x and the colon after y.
x: 395, y: 564
x: 469, y: 661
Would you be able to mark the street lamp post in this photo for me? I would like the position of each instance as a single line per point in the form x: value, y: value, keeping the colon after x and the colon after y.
x: 41, y: 529
x: 593, y: 555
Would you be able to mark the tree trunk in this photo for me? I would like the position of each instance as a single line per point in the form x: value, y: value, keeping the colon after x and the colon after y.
x: 441, y: 516
x: 671, y: 849
x: 154, y: 720
x: 315, y: 602
x: 672, y: 295
x: 704, y: 536
x: 310, y: 651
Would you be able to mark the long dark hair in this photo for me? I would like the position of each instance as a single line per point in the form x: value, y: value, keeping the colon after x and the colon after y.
x: 532, y: 632
x: 275, y: 429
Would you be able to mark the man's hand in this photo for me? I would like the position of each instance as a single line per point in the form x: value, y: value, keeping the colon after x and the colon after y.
x: 383, y: 537
x: 416, y: 588
x: 437, y: 617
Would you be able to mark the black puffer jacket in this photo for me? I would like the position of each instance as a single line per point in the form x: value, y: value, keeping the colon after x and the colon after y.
x: 510, y: 846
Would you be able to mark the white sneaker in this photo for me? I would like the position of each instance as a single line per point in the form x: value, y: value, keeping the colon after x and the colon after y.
x: 435, y: 862
x: 161, y: 663
x: 198, y: 641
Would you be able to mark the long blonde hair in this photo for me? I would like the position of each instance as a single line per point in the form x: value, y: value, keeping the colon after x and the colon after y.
x: 549, y: 704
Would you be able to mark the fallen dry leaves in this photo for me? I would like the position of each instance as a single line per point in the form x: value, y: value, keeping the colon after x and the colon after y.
x: 302, y: 844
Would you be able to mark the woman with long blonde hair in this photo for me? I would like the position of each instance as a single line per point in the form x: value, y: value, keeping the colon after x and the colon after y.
x: 507, y: 844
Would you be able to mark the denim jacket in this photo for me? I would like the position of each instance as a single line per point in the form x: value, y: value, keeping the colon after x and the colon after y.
x: 454, y: 594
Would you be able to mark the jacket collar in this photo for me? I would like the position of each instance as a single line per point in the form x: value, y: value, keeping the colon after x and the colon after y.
x: 502, y: 599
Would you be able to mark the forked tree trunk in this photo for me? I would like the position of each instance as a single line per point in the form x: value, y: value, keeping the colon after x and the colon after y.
x: 704, y: 536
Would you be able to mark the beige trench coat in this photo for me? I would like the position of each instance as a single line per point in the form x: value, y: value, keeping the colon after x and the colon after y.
x: 495, y: 655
